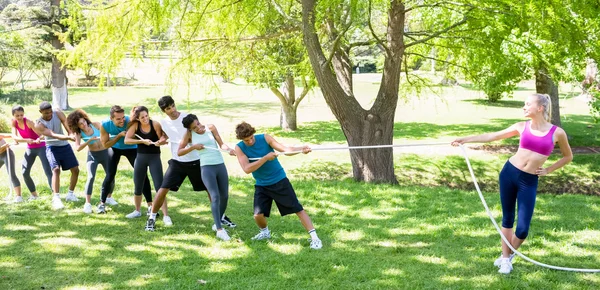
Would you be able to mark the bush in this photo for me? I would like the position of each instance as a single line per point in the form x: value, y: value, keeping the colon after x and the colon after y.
x: 4, y: 122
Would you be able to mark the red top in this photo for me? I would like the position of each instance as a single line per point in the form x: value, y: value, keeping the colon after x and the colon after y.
x: 28, y: 133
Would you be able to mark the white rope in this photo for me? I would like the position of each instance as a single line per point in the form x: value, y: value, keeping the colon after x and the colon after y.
x: 502, y: 235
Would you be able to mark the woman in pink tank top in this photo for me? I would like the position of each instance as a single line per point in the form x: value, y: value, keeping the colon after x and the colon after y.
x: 22, y: 131
x: 519, y: 178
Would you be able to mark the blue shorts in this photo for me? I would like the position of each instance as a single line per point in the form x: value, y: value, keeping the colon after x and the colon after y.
x: 62, y: 156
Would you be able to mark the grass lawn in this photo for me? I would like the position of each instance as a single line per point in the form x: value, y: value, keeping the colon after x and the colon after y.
x: 431, y: 232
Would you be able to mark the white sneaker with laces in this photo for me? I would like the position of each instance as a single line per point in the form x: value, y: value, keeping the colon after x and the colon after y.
x: 18, y: 199
x: 71, y: 197
x: 499, y: 260
x: 111, y: 201
x: 316, y: 244
x: 262, y: 235
x: 134, y: 214
x: 222, y: 234
x: 505, y: 266
x: 56, y: 202
x: 87, y: 208
x: 167, y: 221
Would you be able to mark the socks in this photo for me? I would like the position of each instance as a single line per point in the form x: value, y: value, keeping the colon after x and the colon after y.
x: 313, y: 234
x: 265, y: 229
x: 153, y: 216
x: 70, y: 192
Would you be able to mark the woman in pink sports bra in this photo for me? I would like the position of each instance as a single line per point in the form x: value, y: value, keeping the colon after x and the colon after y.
x: 23, y: 131
x: 519, y: 178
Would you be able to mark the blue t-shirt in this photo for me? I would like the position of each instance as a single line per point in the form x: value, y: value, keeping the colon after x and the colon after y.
x: 113, y: 130
x: 269, y: 173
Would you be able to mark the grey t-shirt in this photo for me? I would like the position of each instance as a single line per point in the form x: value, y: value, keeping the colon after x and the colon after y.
x: 55, y: 125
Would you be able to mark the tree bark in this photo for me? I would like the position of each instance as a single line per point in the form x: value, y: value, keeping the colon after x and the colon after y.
x: 545, y: 85
x: 362, y: 127
x: 60, y: 94
x: 289, y: 103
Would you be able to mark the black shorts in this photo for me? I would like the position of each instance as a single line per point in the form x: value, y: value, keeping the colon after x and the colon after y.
x: 282, y: 193
x: 178, y: 171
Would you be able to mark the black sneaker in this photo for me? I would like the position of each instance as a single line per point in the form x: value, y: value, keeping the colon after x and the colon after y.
x: 150, y: 225
x: 226, y: 221
x: 101, y: 208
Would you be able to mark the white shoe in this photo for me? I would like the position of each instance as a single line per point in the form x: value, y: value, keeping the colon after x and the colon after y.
x: 262, y: 235
x: 316, y: 244
x: 499, y: 260
x: 167, y: 221
x: 71, y: 197
x: 214, y: 228
x: 505, y: 266
x: 33, y: 197
x: 134, y: 214
x: 18, y: 199
x: 222, y: 234
x: 87, y: 208
x: 56, y: 202
x: 111, y: 201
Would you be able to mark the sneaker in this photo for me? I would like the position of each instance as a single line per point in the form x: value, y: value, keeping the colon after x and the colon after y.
x: 316, y: 244
x: 18, y: 199
x: 87, y: 208
x: 167, y: 221
x: 262, y: 235
x: 101, y: 208
x: 111, y: 201
x: 505, y: 266
x: 71, y: 197
x: 214, y: 228
x: 150, y: 211
x: 134, y: 214
x: 222, y: 234
x: 499, y: 260
x: 57, y: 203
x: 226, y: 221
x: 33, y: 197
x: 150, y: 225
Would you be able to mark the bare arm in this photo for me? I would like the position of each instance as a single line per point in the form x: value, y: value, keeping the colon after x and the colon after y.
x: 222, y: 145
x: 251, y: 167
x: 282, y: 148
x: 162, y: 137
x: 489, y: 137
x: 17, y: 137
x: 185, y: 140
x: 63, y: 120
x: 565, y: 150
x: 42, y: 130
x: 105, y: 138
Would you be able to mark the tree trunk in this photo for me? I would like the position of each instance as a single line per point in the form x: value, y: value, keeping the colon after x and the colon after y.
x: 60, y: 94
x: 545, y: 85
x: 361, y: 127
x: 288, y: 110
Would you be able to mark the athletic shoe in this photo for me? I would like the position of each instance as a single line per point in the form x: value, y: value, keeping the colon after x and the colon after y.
x: 18, y: 199
x: 57, y: 203
x: 134, y: 214
x: 150, y: 225
x: 87, y: 208
x: 227, y: 221
x: 101, y: 208
x: 222, y: 234
x: 316, y: 244
x: 71, y: 197
x: 150, y: 211
x: 111, y: 201
x: 33, y: 197
x: 167, y: 221
x: 262, y: 235
x: 214, y: 228
x: 499, y: 260
x: 505, y: 266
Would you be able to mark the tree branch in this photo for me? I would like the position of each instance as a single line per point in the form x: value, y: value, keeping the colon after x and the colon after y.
x: 436, y: 59
x: 279, y: 10
x: 436, y: 34
x: 422, y: 6
x: 249, y: 39
x: 385, y: 48
x: 305, y: 89
x: 280, y: 96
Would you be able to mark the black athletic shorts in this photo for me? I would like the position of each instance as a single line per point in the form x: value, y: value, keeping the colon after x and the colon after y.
x: 178, y: 171
x: 282, y: 193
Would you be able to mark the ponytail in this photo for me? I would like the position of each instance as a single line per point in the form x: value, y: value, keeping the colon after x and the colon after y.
x: 545, y: 101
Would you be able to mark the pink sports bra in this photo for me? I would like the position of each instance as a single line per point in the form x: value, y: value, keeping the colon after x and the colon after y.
x: 539, y: 144
x: 27, y: 132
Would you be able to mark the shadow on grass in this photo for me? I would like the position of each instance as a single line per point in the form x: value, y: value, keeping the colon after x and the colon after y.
x: 27, y: 97
x: 499, y: 104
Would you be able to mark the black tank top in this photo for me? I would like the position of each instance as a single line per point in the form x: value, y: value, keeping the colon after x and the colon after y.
x: 152, y: 136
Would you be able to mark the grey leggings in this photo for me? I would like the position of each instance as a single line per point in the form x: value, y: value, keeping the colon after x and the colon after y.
x: 27, y: 164
x: 216, y: 180
x: 10, y: 167
x: 140, y: 171
x: 93, y: 159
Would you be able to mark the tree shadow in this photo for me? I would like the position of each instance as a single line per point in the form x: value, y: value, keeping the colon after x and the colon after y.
x: 27, y: 97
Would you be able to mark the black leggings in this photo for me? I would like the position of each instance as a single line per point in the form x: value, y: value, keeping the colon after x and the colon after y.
x: 10, y: 166
x: 140, y: 170
x: 131, y: 155
x: 28, y: 159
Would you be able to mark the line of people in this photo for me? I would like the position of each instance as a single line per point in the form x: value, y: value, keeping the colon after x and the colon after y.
x: 196, y: 154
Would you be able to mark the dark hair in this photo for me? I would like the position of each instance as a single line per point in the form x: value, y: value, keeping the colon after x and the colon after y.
x: 165, y: 102
x: 116, y: 109
x: 45, y: 106
x: 17, y: 108
x: 135, y: 114
x: 188, y: 120
x: 73, y: 120
x: 244, y: 130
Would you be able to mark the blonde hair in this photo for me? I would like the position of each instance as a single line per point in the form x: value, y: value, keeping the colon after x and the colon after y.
x: 545, y: 101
